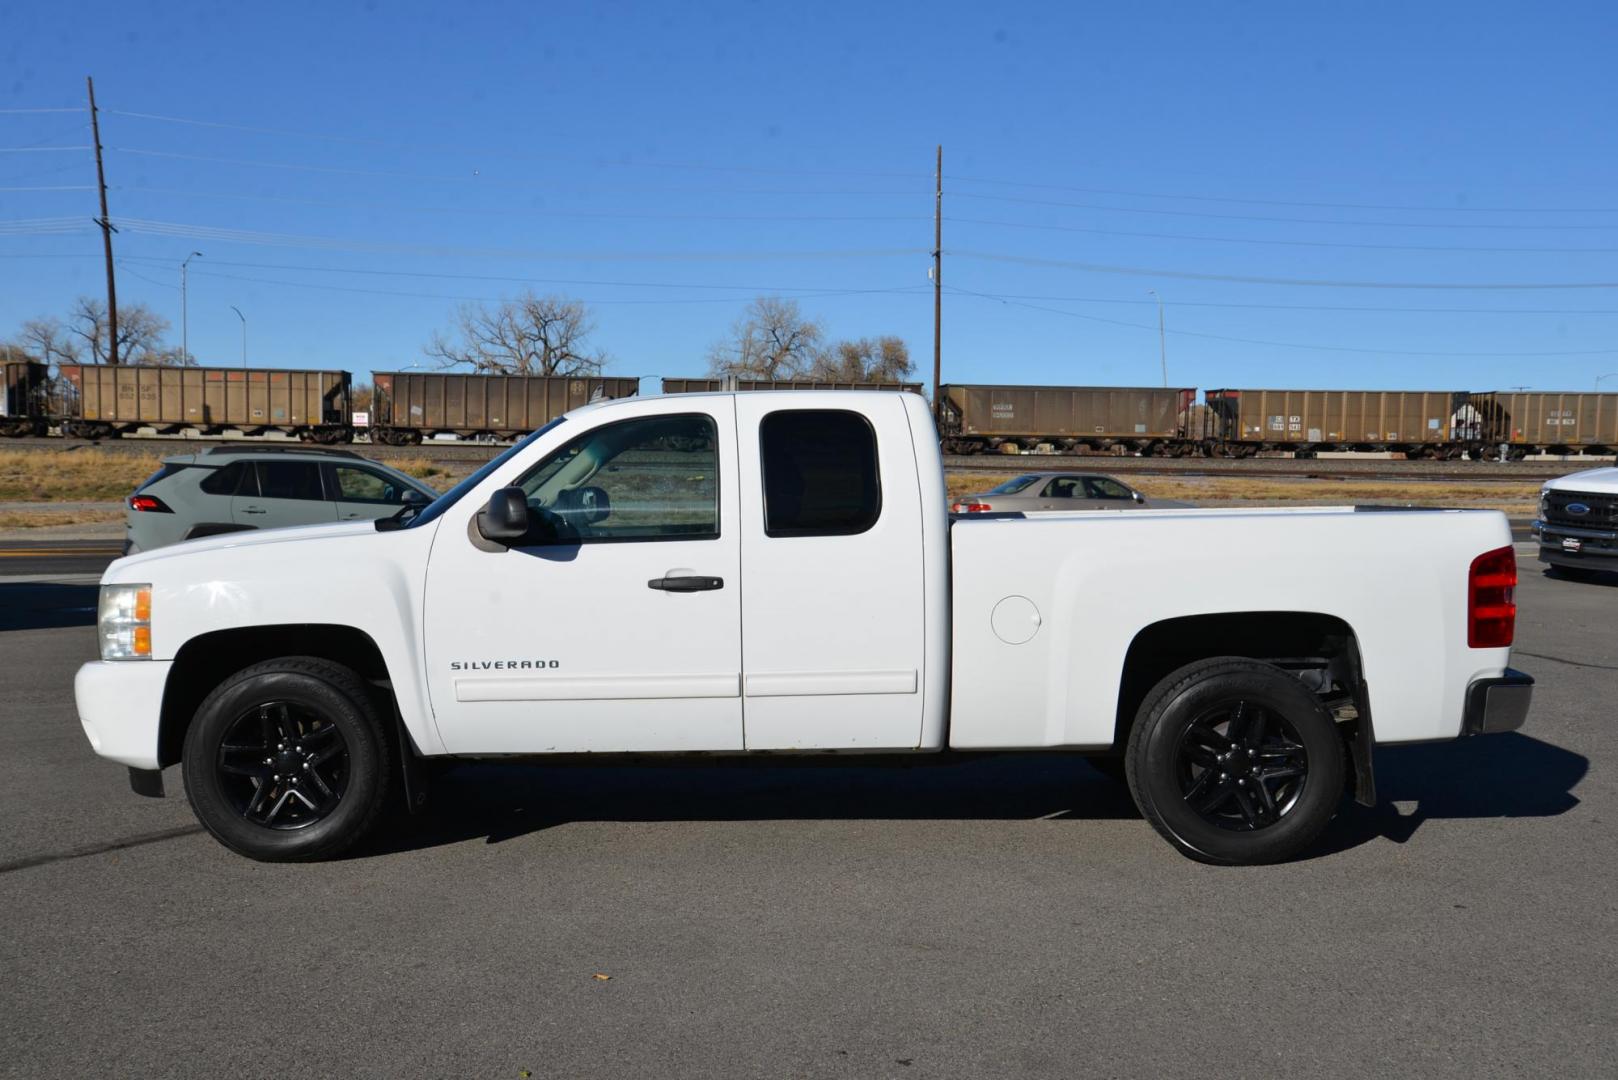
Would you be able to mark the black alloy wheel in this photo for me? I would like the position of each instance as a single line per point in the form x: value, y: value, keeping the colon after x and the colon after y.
x: 1240, y: 767
x: 290, y: 760
x: 1235, y: 762
x: 283, y: 765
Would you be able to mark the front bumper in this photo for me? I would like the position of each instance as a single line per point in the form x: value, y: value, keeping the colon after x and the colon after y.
x: 1500, y: 704
x: 120, y: 705
x: 1573, y: 545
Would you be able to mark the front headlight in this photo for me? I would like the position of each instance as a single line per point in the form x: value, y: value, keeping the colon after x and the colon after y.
x: 1544, y: 500
x: 124, y: 622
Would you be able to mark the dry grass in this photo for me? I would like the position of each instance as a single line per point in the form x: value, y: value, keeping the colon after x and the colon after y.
x: 1518, y: 500
x: 44, y: 519
x: 86, y: 475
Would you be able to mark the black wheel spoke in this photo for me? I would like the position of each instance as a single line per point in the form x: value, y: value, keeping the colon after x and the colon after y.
x: 1249, y: 810
x: 1200, y: 785
x: 280, y: 804
x: 260, y: 794
x: 315, y: 785
x: 243, y: 761
x: 1255, y: 728
x: 1218, y: 794
x: 1236, y: 731
x: 1266, y: 800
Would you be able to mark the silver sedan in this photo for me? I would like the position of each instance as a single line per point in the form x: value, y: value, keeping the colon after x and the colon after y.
x: 1049, y: 491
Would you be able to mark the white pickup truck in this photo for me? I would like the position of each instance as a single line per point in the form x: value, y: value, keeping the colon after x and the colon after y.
x: 1577, y: 525
x: 777, y: 574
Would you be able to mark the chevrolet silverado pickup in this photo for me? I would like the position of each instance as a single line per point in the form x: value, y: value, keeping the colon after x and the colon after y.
x: 772, y: 575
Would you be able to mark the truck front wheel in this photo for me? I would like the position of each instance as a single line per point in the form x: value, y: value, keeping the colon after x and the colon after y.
x: 287, y: 760
x: 1235, y: 762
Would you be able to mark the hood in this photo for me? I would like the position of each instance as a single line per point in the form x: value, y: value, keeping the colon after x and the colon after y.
x: 1599, y: 481
x: 257, y: 538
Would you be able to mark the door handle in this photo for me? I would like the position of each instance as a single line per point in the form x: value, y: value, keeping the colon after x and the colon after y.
x: 254, y: 510
x: 686, y: 584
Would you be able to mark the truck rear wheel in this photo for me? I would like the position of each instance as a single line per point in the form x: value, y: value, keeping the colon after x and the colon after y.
x: 287, y: 760
x: 1235, y: 762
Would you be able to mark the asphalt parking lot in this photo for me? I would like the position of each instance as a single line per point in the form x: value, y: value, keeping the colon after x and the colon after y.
x: 1005, y: 918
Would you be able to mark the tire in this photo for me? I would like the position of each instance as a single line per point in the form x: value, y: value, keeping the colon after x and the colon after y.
x: 1216, y: 804
x: 300, y: 713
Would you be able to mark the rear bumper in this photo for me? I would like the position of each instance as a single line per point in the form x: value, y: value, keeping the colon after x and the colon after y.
x: 120, y: 706
x: 1500, y: 704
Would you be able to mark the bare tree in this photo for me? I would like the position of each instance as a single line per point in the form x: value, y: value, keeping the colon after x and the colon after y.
x: 882, y: 359
x: 49, y: 341
x: 140, y: 333
x: 530, y: 335
x: 772, y: 340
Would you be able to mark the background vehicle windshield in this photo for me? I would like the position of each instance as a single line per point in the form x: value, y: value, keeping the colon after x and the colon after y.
x: 1012, y: 486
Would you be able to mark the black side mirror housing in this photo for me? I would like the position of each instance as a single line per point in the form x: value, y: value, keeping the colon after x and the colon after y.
x: 505, y: 520
x: 412, y: 497
x: 1137, y: 496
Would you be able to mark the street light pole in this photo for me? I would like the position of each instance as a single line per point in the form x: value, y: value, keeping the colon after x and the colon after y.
x: 243, y: 318
x: 1162, y: 339
x: 185, y: 335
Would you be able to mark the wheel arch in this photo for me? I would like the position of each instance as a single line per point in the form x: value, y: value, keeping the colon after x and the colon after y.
x: 1321, y: 649
x: 206, y: 660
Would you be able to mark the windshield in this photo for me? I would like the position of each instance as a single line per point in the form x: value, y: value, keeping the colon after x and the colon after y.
x: 1014, y: 485
x: 435, y: 508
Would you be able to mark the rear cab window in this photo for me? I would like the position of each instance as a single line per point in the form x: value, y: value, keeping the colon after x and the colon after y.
x: 820, y: 473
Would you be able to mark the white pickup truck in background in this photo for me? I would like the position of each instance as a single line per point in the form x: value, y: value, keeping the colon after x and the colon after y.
x: 1577, y: 525
x: 776, y: 574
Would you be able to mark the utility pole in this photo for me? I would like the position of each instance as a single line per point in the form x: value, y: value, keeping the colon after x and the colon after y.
x: 1162, y: 339
x: 938, y: 284
x: 243, y: 318
x: 106, y: 228
x: 185, y: 335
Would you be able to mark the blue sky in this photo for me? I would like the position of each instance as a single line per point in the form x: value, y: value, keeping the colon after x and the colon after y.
x: 667, y: 162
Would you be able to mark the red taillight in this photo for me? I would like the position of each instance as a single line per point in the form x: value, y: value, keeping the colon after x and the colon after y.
x: 148, y: 504
x: 1491, y: 610
x: 970, y: 508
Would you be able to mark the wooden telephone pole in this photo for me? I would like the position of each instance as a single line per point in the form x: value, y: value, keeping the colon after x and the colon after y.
x: 938, y: 284
x: 106, y: 229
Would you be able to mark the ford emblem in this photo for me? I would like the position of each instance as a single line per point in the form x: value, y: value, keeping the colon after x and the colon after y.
x: 1578, y: 508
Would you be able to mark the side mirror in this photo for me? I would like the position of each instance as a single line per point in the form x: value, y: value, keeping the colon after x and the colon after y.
x: 1137, y: 496
x: 412, y: 497
x: 505, y: 519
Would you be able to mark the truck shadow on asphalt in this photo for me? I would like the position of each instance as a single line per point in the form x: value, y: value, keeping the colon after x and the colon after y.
x: 1499, y: 776
x: 46, y: 605
x: 1492, y: 776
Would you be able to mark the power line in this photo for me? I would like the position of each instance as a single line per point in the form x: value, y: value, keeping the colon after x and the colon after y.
x: 65, y: 109
x: 460, y: 177
x: 1240, y: 279
x: 1275, y: 219
x: 813, y: 295
x: 242, y: 236
x: 1292, y: 243
x: 56, y: 187
x: 485, y: 212
x: 1427, y: 208
x: 40, y: 149
x: 754, y: 289
x: 1318, y: 307
x: 1281, y: 344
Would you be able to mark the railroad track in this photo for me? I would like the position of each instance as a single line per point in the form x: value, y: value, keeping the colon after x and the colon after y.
x: 451, y: 454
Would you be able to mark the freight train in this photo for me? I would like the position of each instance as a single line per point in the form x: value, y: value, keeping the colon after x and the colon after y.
x: 91, y: 401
